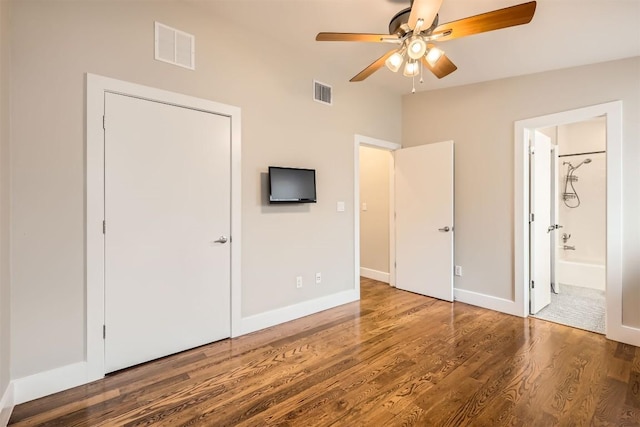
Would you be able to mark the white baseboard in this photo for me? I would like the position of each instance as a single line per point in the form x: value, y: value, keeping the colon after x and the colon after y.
x: 49, y: 382
x: 6, y: 405
x: 292, y: 312
x: 624, y: 334
x: 374, y: 274
x: 487, y: 301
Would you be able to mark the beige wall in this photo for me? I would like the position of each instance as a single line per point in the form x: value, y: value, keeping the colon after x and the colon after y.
x: 374, y: 222
x: 480, y: 119
x: 4, y: 197
x: 56, y: 42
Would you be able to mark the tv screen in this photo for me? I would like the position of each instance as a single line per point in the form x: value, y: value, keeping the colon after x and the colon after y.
x: 290, y: 185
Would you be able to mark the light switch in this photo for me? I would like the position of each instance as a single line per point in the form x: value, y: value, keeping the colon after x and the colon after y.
x: 340, y: 207
x: 364, y: 207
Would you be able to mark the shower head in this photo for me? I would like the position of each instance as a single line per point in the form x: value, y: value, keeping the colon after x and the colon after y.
x: 582, y: 163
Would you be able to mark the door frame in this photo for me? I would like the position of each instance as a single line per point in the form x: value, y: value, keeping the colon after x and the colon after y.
x: 391, y: 147
x: 615, y: 330
x: 96, y: 87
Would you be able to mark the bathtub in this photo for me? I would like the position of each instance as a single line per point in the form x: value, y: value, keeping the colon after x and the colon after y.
x: 587, y: 275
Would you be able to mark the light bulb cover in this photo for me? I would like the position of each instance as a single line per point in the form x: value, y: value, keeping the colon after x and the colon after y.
x: 394, y: 62
x: 433, y: 56
x: 416, y: 47
x: 411, y: 69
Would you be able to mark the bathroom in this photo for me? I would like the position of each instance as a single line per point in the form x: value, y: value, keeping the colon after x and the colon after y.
x: 578, y: 267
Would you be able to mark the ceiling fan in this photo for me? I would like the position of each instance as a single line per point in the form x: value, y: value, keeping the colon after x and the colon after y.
x: 416, y: 30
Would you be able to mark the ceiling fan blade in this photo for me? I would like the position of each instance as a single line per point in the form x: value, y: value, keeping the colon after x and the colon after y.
x: 425, y: 10
x: 356, y: 37
x: 443, y: 67
x: 495, y: 20
x: 375, y: 66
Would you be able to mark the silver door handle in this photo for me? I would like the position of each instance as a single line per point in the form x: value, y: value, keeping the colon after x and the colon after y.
x: 222, y: 239
x: 553, y: 227
x: 445, y: 229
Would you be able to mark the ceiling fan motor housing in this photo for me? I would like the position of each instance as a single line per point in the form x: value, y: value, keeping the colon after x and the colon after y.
x: 399, y: 24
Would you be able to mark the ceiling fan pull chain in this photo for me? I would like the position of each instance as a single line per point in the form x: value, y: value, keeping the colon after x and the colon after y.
x: 414, y: 84
x: 421, y: 70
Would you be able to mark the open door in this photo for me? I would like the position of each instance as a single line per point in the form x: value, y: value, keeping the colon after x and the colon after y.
x: 424, y: 219
x: 540, y: 224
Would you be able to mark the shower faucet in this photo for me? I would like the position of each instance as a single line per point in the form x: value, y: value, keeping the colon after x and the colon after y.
x: 565, y: 237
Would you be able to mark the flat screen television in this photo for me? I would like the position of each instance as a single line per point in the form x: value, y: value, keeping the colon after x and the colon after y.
x: 291, y: 185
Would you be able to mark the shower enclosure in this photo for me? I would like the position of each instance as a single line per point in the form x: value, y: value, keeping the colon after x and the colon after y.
x: 580, y: 244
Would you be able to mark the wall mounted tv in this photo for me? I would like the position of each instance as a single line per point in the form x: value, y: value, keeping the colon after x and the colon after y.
x: 290, y: 185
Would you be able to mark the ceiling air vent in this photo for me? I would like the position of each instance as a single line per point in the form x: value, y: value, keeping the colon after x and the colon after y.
x: 322, y: 93
x: 174, y: 46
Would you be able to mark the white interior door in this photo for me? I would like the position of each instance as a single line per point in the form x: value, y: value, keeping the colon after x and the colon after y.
x: 540, y: 235
x: 167, y: 200
x: 424, y: 219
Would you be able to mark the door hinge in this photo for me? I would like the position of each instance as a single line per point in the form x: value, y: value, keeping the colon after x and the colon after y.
x: 532, y: 149
x: 104, y: 332
x: 531, y: 218
x: 533, y: 284
x: 104, y: 227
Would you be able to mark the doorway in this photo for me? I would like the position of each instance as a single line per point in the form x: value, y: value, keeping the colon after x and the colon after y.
x: 376, y: 184
x: 381, y: 149
x: 421, y: 214
x: 612, y: 113
x: 98, y: 88
x: 568, y: 174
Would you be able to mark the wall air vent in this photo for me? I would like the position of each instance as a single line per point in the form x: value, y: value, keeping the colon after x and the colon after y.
x: 174, y: 46
x: 322, y: 93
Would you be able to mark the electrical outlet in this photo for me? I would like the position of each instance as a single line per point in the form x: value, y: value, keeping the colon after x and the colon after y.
x: 298, y: 281
x: 318, y: 278
x: 458, y: 271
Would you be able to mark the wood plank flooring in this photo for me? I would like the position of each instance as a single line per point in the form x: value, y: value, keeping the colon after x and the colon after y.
x: 393, y: 359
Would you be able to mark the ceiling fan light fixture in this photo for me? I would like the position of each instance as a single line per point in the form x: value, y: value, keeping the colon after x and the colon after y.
x: 433, y: 56
x: 394, y: 62
x: 411, y: 69
x: 416, y: 47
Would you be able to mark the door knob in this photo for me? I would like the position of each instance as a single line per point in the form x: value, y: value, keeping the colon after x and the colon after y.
x: 222, y: 239
x: 444, y: 229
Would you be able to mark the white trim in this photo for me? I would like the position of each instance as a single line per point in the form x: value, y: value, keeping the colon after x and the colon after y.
x: 613, y: 112
x: 486, y: 301
x: 387, y: 145
x: 296, y: 311
x: 370, y: 273
x: 49, y: 382
x: 392, y: 221
x: 96, y: 88
x: 6, y: 405
x: 625, y: 334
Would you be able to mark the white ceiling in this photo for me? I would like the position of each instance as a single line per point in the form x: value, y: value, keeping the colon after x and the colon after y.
x: 563, y: 33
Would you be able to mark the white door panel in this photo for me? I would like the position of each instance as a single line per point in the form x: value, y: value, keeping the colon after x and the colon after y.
x: 540, y: 252
x: 167, y: 198
x: 424, y: 210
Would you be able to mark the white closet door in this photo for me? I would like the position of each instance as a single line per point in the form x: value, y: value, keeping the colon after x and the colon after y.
x: 167, y: 200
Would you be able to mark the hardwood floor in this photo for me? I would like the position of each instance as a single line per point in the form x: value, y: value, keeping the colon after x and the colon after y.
x: 395, y: 358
